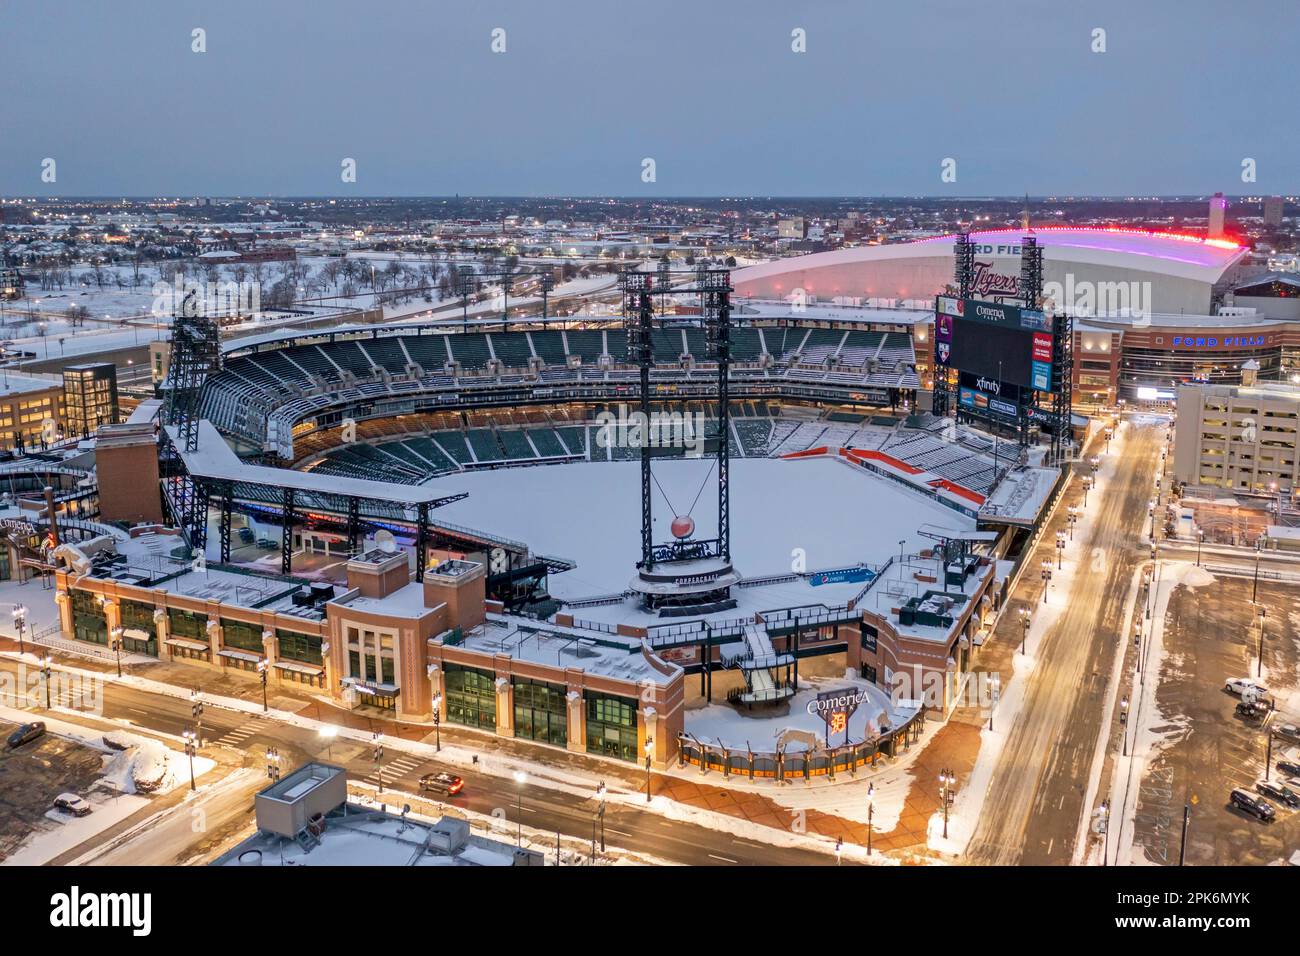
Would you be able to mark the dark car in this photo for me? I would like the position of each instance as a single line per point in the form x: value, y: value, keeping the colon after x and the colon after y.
x: 1288, y: 732
x: 1253, y: 805
x: 1288, y: 768
x: 26, y: 733
x: 1278, y: 792
x: 1251, y: 711
x: 444, y: 783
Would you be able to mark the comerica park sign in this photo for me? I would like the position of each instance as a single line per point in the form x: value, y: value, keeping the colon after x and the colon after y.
x: 835, y: 707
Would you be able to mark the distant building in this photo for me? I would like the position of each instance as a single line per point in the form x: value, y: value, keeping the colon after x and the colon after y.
x: 1273, y: 294
x: 89, y: 397
x: 11, y: 284
x: 30, y: 410
x: 1273, y: 211
x: 796, y: 228
x: 1218, y: 208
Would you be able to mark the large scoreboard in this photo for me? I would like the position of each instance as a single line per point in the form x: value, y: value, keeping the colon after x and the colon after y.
x: 997, y: 360
x: 993, y: 340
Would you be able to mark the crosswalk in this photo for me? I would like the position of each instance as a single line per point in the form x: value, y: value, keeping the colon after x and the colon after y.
x: 394, y: 770
x: 237, y: 737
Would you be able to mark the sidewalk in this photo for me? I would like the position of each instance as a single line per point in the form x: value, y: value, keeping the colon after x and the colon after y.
x: 572, y: 771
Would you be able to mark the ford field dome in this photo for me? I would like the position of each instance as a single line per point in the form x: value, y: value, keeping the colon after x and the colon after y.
x: 1181, y: 270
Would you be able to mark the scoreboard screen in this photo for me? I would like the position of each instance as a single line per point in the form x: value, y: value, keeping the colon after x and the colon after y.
x: 994, y: 341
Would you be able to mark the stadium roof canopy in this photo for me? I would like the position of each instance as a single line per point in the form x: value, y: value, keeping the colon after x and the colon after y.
x: 1175, y: 254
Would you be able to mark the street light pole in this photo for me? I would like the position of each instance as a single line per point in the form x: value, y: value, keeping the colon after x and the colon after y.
x: 117, y: 648
x: 1254, y: 589
x: 600, y: 813
x: 871, y: 814
x: 20, y: 624
x: 946, y: 778
x: 649, y: 749
x: 46, y: 661
x: 1182, y: 844
x: 1123, y: 723
x: 379, y: 759
x: 1026, y: 618
x: 191, y: 744
x: 1259, y: 666
x: 262, y: 668
x: 437, y: 724
x: 196, y: 710
x: 995, y: 691
x: 520, y: 777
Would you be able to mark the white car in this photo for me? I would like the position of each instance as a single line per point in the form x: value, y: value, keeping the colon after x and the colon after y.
x: 1240, y: 685
x: 71, y: 803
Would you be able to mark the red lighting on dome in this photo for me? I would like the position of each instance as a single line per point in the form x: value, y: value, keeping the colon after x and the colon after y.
x: 1110, y: 230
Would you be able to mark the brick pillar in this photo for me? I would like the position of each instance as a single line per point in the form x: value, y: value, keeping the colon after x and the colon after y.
x: 505, y: 706
x: 577, y: 720
x: 112, y: 615
x: 330, y: 677
x: 162, y: 627
x: 269, y: 649
x: 214, y: 641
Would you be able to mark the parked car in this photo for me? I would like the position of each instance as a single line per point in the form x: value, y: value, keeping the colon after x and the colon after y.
x: 246, y: 535
x: 1238, y: 686
x: 26, y: 733
x: 71, y: 803
x: 1279, y: 792
x: 1288, y: 768
x: 1251, y: 710
x: 444, y: 783
x: 1247, y: 803
x: 268, y: 544
x: 1290, y: 731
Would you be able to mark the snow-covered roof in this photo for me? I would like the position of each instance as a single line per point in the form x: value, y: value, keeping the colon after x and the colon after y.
x: 1174, y: 254
x: 214, y: 459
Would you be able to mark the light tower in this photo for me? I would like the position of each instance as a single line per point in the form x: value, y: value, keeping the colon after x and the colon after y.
x: 195, y: 354
x: 686, y: 571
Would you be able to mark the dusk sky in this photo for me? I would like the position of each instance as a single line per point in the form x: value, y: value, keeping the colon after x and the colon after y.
x: 709, y: 89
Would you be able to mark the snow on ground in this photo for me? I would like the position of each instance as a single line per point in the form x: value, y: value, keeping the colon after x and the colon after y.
x: 838, y: 516
x: 67, y: 831
x: 739, y: 729
x: 113, y: 797
x: 1153, y: 730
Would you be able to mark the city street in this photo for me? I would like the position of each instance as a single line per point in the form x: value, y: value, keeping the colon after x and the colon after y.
x: 239, y: 739
x: 1036, y: 795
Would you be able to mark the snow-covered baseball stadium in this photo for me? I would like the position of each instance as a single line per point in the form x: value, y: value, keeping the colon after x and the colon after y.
x: 424, y: 518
